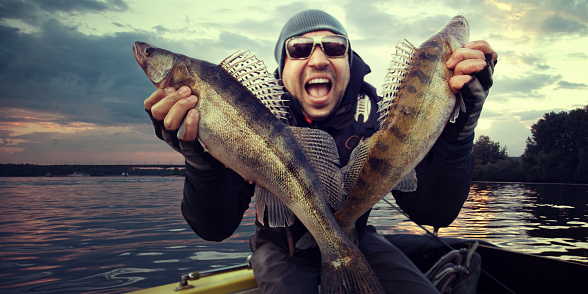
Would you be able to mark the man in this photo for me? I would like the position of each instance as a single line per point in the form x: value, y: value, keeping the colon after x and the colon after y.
x: 325, y: 79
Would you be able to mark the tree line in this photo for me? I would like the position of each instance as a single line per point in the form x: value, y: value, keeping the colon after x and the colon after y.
x: 557, y: 152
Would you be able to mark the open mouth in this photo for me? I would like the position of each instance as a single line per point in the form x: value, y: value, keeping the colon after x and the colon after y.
x: 318, y: 88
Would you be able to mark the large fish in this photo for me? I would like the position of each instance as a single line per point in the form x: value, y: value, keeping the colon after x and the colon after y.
x: 416, y: 106
x: 239, y: 130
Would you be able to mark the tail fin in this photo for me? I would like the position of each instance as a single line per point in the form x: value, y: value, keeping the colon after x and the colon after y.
x: 353, y: 275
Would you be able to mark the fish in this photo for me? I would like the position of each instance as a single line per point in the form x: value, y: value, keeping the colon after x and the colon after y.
x: 242, y: 125
x: 416, y: 105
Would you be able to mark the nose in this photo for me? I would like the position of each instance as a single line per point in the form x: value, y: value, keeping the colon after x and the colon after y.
x: 318, y: 59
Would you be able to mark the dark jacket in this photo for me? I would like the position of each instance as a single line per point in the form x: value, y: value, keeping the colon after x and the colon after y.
x: 214, y: 201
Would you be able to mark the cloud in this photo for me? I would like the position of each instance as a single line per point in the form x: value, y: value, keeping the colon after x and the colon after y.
x: 91, y: 143
x: 68, y: 64
x: 524, y: 59
x: 37, y: 11
x: 81, y: 5
x: 17, y: 9
x: 508, y: 132
x: 559, y: 24
x: 64, y: 71
x: 532, y: 115
x: 568, y: 85
x: 527, y: 85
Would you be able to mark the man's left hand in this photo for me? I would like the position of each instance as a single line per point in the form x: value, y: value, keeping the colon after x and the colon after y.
x: 468, y: 60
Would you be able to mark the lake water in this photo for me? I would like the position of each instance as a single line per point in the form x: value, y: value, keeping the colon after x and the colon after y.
x: 119, y: 234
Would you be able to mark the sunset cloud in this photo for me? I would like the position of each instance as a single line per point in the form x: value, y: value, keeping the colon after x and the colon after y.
x: 70, y: 84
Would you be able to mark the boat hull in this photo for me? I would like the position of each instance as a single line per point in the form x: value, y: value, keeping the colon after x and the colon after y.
x: 503, y: 271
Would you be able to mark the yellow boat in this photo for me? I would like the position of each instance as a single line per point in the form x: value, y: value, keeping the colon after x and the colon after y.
x: 503, y: 271
x: 234, y: 279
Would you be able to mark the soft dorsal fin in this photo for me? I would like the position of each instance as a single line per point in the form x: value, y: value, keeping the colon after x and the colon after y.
x: 356, y: 162
x: 278, y: 213
x: 253, y: 74
x: 409, y: 183
x: 321, y: 150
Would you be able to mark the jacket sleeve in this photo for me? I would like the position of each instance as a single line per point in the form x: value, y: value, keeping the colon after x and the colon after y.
x: 214, y: 201
x: 443, y: 185
x: 444, y: 175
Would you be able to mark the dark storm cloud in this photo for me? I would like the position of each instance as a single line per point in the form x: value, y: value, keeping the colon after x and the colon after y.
x: 33, y: 11
x: 89, y: 78
x: 59, y: 70
x: 81, y: 5
x: 63, y: 71
x: 17, y: 9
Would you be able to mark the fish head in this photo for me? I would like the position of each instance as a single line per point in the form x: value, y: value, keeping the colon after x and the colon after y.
x: 459, y: 29
x: 164, y: 68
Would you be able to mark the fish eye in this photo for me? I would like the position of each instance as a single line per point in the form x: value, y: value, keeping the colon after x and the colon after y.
x: 461, y: 23
x: 148, y: 51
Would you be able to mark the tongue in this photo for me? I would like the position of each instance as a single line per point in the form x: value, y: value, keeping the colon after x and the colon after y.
x: 318, y: 90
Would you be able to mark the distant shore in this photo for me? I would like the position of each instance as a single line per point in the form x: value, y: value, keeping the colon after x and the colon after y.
x: 34, y: 170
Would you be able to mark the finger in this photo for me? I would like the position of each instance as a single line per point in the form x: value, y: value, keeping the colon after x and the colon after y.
x: 160, y: 109
x: 156, y: 97
x: 456, y: 82
x: 462, y: 54
x: 192, y: 120
x: 469, y: 66
x: 484, y: 47
x: 177, y: 113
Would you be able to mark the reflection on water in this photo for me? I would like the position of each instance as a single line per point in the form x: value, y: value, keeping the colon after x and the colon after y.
x: 105, y: 235
x: 544, y: 219
x: 117, y: 234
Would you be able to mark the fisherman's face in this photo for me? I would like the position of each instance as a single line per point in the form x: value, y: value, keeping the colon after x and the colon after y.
x: 319, y: 82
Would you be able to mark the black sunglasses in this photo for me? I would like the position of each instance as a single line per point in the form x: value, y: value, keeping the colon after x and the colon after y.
x: 302, y: 47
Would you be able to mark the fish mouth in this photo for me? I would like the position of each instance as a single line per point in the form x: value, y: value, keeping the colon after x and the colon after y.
x: 138, y: 49
x: 318, y: 89
x: 142, y: 52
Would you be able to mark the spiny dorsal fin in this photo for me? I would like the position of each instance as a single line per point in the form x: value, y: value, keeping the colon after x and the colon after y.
x: 253, y: 74
x: 321, y: 150
x: 399, y: 65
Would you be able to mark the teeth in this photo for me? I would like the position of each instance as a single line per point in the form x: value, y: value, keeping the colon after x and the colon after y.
x: 318, y: 81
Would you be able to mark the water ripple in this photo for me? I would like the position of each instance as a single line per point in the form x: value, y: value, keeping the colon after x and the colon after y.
x: 116, y: 234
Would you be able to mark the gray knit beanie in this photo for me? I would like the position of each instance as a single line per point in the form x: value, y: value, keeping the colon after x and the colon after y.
x: 302, y: 23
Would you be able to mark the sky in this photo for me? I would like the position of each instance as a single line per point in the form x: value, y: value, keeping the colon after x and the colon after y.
x: 71, y: 91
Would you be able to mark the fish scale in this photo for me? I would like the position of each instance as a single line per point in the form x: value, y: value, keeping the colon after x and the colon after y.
x: 241, y: 132
x: 417, y: 104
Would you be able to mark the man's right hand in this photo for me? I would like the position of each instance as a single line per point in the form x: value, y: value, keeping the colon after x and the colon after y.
x: 167, y: 109
x: 171, y: 106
